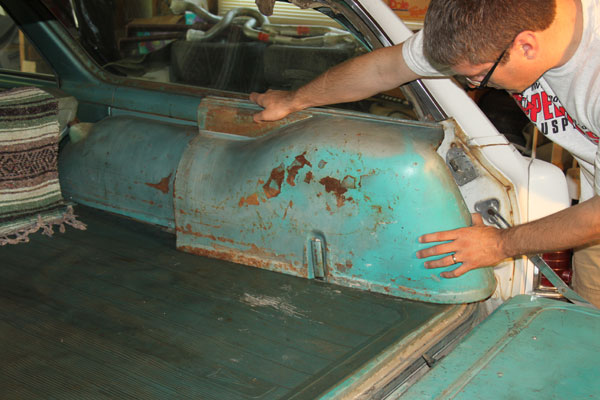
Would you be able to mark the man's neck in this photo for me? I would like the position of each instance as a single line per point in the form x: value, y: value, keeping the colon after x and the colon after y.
x: 567, y: 29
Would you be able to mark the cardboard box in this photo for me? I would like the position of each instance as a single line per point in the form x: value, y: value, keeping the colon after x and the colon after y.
x: 412, y: 10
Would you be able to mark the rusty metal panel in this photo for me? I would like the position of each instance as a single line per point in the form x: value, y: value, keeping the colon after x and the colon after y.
x: 236, y: 117
x: 126, y: 165
x: 333, y: 196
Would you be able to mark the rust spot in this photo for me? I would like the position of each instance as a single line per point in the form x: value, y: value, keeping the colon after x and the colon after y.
x: 163, y: 185
x: 412, y: 291
x: 349, y: 182
x: 251, y: 200
x: 343, y: 267
x: 204, y: 224
x: 290, y: 205
x: 239, y: 121
x: 377, y: 209
x: 261, y: 182
x: 308, y: 177
x: 293, y: 169
x: 334, y: 186
x: 322, y: 163
x: 224, y: 239
x: 188, y: 231
x: 254, y: 257
x: 273, y: 186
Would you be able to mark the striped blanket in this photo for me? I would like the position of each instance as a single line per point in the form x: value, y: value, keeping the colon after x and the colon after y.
x: 30, y: 197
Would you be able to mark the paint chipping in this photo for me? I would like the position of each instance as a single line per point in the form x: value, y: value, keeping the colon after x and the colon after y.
x: 273, y: 186
x: 290, y: 205
x: 254, y: 257
x: 377, y: 209
x: 188, y: 231
x: 163, y: 185
x: 296, y: 165
x: 334, y: 186
x: 344, y: 267
x: 308, y: 177
x: 349, y: 182
x: 251, y: 200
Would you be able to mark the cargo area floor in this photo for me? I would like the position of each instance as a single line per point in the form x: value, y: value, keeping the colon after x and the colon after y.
x: 116, y: 312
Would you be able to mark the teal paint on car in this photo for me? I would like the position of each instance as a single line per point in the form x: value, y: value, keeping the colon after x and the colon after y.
x: 529, y: 348
x: 126, y: 165
x: 334, y: 197
x: 331, y: 197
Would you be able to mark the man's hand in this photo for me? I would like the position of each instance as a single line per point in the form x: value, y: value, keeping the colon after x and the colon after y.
x: 277, y: 104
x: 474, y: 247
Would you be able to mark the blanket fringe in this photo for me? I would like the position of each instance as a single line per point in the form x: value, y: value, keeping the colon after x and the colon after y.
x: 22, y: 235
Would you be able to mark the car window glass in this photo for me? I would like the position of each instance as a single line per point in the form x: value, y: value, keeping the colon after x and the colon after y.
x: 220, y: 44
x: 16, y: 52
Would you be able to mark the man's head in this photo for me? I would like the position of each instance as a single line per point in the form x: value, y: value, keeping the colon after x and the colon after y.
x: 470, y: 33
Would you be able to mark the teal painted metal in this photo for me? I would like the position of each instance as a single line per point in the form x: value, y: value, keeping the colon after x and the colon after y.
x: 529, y: 348
x: 126, y: 165
x: 355, y: 222
x: 360, y: 191
x: 335, y: 196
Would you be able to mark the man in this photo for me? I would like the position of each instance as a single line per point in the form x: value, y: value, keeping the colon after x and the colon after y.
x: 546, y: 52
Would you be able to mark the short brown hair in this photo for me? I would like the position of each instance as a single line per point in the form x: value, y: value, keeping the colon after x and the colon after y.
x: 477, y: 31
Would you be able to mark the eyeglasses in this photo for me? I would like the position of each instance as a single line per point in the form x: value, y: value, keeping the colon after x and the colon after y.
x: 486, y: 78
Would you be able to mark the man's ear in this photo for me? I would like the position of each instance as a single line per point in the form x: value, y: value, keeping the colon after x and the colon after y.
x: 527, y: 45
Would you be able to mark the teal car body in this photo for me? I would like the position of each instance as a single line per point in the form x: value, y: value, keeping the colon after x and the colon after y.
x: 334, y: 197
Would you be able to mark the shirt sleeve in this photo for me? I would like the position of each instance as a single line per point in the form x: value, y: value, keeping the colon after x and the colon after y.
x: 412, y: 51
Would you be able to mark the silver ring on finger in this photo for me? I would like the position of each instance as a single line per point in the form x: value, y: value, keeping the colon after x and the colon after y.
x: 454, y: 259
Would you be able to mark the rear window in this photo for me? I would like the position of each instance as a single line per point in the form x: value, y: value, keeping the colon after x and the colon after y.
x: 222, y: 44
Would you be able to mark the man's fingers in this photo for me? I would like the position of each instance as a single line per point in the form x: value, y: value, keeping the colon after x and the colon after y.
x: 441, y: 262
x: 455, y: 273
x: 439, y: 236
x: 259, y: 117
x: 275, y: 104
x: 436, y: 250
x: 257, y: 98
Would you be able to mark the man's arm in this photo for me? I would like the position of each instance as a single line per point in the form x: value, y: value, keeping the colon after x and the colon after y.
x: 481, y: 246
x: 355, y: 79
